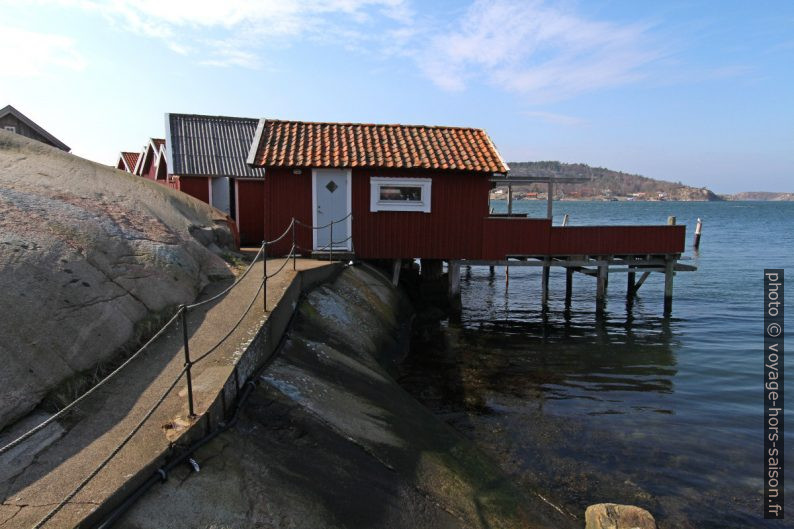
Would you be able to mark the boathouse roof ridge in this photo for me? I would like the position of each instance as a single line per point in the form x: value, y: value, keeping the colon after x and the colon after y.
x: 284, y: 143
x: 210, y: 145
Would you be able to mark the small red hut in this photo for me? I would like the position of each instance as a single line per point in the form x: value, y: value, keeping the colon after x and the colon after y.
x: 404, y: 191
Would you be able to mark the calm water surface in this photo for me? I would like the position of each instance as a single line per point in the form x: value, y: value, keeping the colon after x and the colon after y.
x: 665, y: 413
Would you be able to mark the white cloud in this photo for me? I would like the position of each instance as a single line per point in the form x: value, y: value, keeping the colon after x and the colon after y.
x: 240, y: 27
x: 536, y: 49
x: 30, y: 54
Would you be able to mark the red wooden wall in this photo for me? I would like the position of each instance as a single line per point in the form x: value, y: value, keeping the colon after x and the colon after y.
x: 517, y: 236
x: 602, y: 240
x: 250, y: 217
x: 458, y: 226
x: 196, y: 187
x: 289, y: 195
x: 452, y: 230
x: 514, y: 236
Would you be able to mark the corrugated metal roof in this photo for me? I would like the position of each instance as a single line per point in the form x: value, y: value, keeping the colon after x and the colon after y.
x: 210, y: 145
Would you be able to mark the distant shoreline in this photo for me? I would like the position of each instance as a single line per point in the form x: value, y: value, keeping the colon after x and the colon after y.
x: 778, y: 197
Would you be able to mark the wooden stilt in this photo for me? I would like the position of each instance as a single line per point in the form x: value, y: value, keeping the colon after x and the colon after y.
x: 669, y: 272
x: 395, y: 274
x: 544, y: 294
x: 601, y: 289
x: 568, y: 286
x: 453, y: 278
x: 630, y: 283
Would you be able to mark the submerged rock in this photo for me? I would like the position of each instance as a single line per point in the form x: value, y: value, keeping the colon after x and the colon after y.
x: 614, y: 516
x: 89, y: 257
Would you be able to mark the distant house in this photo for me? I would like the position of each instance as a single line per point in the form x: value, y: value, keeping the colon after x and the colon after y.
x: 127, y: 161
x: 207, y: 155
x: 152, y: 163
x: 13, y: 120
x: 401, y: 191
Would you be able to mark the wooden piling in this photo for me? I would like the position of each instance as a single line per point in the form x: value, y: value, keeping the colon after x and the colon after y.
x: 395, y: 273
x: 630, y: 283
x: 601, y: 288
x: 453, y: 278
x: 671, y: 220
x: 544, y: 295
x: 565, y: 220
x: 669, y: 272
x: 568, y: 285
x: 698, y: 229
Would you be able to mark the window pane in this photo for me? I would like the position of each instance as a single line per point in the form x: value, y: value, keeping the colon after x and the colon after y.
x: 395, y: 193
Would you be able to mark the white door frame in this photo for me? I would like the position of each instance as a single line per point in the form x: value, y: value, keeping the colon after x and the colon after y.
x: 349, y: 173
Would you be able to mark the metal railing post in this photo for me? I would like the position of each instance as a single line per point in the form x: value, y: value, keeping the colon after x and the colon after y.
x: 264, y: 276
x: 188, y: 363
x: 331, y: 243
x: 294, y: 252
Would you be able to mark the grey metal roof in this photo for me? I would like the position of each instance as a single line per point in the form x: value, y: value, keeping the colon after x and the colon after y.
x: 8, y: 109
x: 209, y: 145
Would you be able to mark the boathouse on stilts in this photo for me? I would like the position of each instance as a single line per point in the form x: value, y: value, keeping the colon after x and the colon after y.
x: 404, y: 192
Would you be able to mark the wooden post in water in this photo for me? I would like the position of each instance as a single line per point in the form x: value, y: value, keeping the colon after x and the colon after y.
x: 568, y: 285
x: 630, y: 283
x: 698, y: 228
x: 395, y: 272
x: 544, y: 293
x: 601, y: 288
x: 509, y: 200
x: 671, y: 220
x: 565, y: 220
x: 453, y: 278
x: 669, y: 272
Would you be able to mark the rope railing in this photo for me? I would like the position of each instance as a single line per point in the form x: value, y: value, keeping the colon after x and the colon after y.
x: 181, y: 314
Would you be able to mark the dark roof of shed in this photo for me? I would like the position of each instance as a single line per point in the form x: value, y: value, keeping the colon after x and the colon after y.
x: 8, y: 109
x: 209, y: 145
x: 305, y: 144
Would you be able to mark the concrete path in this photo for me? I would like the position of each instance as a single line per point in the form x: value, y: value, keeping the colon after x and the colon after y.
x: 37, y: 475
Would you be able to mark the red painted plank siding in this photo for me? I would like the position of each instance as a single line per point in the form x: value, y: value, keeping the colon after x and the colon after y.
x: 196, y: 187
x: 514, y: 236
x: 452, y: 230
x: 250, y: 216
x: 603, y: 240
x: 288, y: 195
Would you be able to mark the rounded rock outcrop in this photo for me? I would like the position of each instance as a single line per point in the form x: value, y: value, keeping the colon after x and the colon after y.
x: 88, y: 255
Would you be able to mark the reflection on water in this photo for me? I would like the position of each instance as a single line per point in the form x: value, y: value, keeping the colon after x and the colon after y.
x: 633, y: 408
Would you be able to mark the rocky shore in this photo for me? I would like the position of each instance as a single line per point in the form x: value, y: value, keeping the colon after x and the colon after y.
x: 329, y: 439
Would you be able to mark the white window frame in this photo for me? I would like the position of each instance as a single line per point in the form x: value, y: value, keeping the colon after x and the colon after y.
x: 422, y: 206
x: 10, y: 128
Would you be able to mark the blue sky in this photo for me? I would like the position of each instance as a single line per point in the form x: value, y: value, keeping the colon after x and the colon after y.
x: 697, y: 92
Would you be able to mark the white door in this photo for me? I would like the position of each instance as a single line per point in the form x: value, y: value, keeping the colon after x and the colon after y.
x: 331, y: 203
x: 220, y: 194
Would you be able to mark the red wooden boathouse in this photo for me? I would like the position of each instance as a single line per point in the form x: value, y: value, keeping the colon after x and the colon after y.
x: 413, y: 192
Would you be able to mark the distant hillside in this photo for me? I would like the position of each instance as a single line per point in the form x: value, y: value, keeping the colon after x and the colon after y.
x: 606, y: 184
x: 760, y: 195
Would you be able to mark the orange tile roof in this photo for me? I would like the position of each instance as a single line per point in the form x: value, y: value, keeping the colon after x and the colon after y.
x: 304, y: 144
x: 131, y: 158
